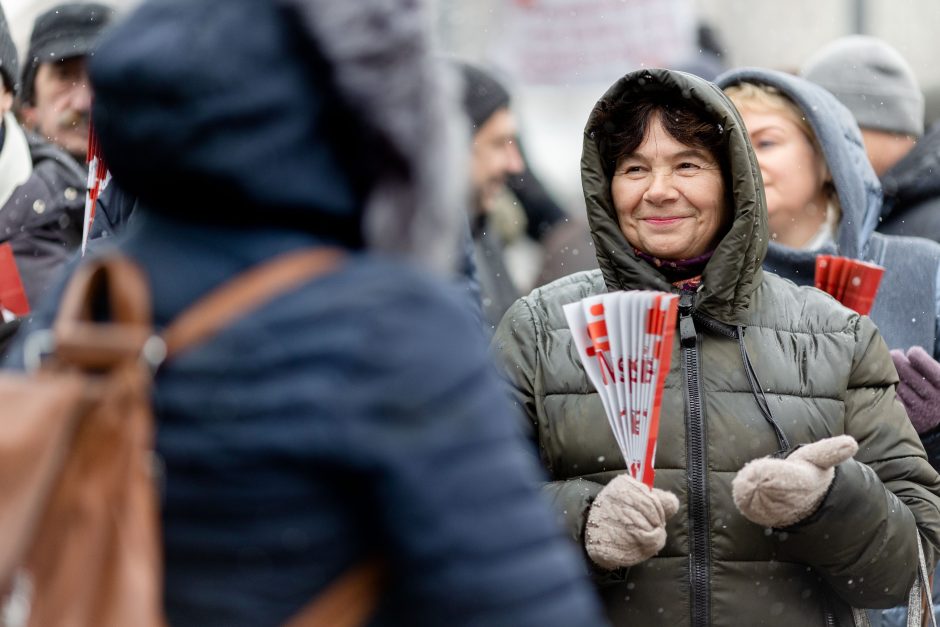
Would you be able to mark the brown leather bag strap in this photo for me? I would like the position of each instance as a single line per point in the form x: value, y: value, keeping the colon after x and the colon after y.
x: 246, y: 292
x: 349, y: 601
x: 118, y: 279
x: 118, y: 284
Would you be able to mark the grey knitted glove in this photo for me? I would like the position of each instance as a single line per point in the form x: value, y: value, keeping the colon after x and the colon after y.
x: 627, y: 523
x: 919, y: 389
x: 782, y: 492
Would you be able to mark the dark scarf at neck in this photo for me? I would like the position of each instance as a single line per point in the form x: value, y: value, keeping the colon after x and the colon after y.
x: 686, y: 274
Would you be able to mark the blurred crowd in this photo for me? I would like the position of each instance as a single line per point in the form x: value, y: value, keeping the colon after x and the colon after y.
x: 422, y: 402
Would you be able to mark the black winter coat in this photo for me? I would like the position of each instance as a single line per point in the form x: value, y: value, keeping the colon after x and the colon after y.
x: 912, y: 191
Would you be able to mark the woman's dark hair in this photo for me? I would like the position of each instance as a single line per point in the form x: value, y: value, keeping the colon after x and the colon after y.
x: 624, y: 126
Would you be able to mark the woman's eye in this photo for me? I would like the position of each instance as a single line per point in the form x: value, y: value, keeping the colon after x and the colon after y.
x: 765, y: 143
x: 688, y: 165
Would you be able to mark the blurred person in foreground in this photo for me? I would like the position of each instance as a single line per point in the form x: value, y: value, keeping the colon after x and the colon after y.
x: 879, y: 87
x: 785, y: 465
x: 55, y: 97
x: 357, y: 416
x: 823, y: 197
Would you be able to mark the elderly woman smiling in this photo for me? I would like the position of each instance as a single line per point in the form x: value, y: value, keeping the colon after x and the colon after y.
x: 669, y: 197
x: 780, y: 430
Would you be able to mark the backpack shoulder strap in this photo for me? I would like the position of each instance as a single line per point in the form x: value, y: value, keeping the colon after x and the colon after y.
x: 245, y: 292
x: 351, y: 599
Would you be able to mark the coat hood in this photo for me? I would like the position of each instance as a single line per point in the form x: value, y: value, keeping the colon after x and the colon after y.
x: 734, y: 271
x: 326, y: 117
x: 854, y: 179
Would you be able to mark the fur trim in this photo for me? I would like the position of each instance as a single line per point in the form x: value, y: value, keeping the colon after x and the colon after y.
x: 380, y: 52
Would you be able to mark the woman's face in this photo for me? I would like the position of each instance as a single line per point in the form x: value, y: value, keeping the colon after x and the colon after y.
x: 794, y: 174
x: 669, y: 197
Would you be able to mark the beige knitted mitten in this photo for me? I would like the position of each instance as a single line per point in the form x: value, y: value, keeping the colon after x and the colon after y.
x: 782, y: 492
x: 627, y: 523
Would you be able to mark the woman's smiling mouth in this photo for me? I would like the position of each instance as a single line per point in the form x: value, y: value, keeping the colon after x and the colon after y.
x: 663, y: 221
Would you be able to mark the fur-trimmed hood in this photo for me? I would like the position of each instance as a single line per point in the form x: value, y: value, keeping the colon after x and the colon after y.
x: 326, y: 117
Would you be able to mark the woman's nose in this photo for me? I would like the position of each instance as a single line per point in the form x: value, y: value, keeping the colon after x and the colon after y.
x: 661, y: 189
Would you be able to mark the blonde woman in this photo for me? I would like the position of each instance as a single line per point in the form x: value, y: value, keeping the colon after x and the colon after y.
x: 824, y: 197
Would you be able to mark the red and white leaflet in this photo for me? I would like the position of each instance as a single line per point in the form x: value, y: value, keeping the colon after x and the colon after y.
x: 627, y: 329
x: 613, y: 317
x: 578, y: 323
x: 852, y: 282
x: 98, y: 178
x: 596, y: 316
x: 662, y: 330
x: 823, y: 265
x: 862, y: 286
x: 645, y: 364
x: 634, y: 383
x: 624, y: 341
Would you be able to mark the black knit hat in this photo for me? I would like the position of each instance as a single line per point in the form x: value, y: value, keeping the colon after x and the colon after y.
x: 482, y: 95
x: 64, y: 31
x: 9, y: 64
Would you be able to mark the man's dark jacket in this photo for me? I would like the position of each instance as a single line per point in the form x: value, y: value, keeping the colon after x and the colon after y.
x: 912, y: 191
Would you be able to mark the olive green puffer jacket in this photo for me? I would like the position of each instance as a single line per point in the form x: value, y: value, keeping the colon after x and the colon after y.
x: 824, y: 371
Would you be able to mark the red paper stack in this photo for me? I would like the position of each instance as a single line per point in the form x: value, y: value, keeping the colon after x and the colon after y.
x: 852, y: 282
x: 12, y: 294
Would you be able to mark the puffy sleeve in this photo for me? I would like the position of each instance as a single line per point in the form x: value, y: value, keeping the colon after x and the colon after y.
x: 862, y: 539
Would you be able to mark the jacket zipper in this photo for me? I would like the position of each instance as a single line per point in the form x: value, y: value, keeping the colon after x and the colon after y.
x: 696, y: 461
x: 829, y: 613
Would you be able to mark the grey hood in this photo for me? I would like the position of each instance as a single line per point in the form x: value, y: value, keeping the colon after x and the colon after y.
x: 856, y: 184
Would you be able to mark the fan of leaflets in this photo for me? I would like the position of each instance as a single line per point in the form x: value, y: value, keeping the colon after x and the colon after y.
x: 624, y: 341
x: 852, y: 282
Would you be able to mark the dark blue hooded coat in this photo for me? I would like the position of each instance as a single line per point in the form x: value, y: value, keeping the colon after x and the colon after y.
x: 356, y: 416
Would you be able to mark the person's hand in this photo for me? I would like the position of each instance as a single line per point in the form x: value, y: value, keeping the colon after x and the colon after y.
x: 627, y: 523
x: 919, y: 389
x: 782, y: 492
